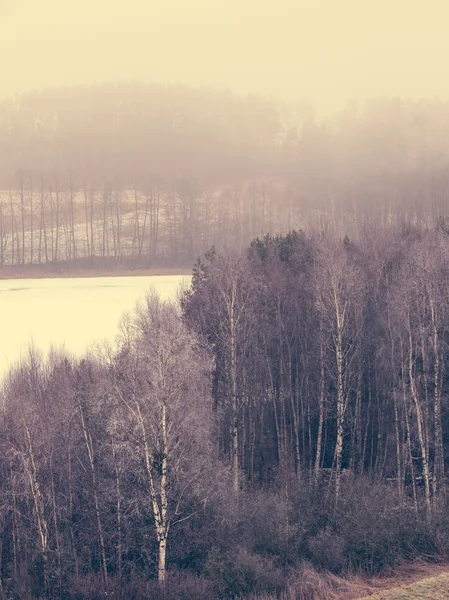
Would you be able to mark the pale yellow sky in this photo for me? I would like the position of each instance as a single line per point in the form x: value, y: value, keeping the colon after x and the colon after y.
x: 324, y: 50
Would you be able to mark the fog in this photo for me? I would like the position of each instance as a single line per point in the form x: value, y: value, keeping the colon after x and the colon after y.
x: 324, y: 52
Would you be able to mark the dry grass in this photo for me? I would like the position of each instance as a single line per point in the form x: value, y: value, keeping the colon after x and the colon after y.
x: 430, y: 588
x: 319, y: 586
x: 312, y: 585
x: 419, y: 581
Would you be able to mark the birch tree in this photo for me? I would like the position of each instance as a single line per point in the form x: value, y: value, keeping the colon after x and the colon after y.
x: 161, y: 377
x: 339, y: 293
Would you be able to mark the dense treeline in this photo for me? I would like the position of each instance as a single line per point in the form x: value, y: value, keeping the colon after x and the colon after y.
x: 147, y: 175
x: 331, y: 354
x: 53, y: 221
x: 294, y: 411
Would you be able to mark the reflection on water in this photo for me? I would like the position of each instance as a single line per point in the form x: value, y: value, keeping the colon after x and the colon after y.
x: 73, y: 312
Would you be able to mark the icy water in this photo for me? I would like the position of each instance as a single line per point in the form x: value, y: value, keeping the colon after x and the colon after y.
x: 77, y: 313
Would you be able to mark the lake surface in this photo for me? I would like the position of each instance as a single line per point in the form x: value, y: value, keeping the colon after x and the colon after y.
x: 76, y: 313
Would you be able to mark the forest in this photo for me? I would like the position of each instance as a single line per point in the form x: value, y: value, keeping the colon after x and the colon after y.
x: 284, y: 425
x: 143, y: 175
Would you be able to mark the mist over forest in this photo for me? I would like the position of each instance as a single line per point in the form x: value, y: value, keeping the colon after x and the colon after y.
x: 132, y: 131
x: 149, y: 175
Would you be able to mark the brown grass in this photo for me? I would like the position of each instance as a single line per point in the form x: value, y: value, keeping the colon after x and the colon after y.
x: 418, y: 581
x: 430, y: 588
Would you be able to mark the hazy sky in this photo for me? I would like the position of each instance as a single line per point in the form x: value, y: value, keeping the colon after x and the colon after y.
x: 322, y: 50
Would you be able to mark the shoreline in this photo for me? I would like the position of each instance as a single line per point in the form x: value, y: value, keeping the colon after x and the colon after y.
x: 6, y: 273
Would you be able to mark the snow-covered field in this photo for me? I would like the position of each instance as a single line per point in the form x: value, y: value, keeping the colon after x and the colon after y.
x: 74, y: 312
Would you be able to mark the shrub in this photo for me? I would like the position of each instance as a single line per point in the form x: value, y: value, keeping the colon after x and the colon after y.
x: 327, y: 550
x: 182, y: 586
x: 242, y: 572
x: 263, y: 523
x: 379, y: 530
x: 179, y: 586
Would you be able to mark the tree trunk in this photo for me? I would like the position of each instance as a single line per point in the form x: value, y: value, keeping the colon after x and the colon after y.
x: 57, y: 222
x: 22, y: 216
x: 11, y: 203
x: 31, y: 224
x: 234, y: 400
x: 420, y: 425
x: 438, y: 444
x: 72, y: 532
x: 92, y: 243
x: 321, y: 414
x: 118, y: 509
x: 38, y: 501
x: 86, y: 216
x: 340, y: 414
x: 72, y: 220
x: 90, y: 453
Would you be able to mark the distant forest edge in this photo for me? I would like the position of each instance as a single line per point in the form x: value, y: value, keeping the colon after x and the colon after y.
x: 138, y: 175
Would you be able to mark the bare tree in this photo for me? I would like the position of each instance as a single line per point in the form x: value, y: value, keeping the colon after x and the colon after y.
x: 340, y: 292
x: 161, y: 378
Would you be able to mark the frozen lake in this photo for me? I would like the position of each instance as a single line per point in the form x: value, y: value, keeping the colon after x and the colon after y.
x: 73, y: 312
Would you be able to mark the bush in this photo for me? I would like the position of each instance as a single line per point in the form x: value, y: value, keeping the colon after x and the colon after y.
x: 378, y: 529
x: 179, y: 586
x: 182, y: 585
x: 263, y: 521
x: 242, y: 572
x: 327, y: 550
x: 440, y: 529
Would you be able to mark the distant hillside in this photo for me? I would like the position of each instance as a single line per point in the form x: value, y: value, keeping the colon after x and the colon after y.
x: 131, y: 130
x: 152, y: 175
